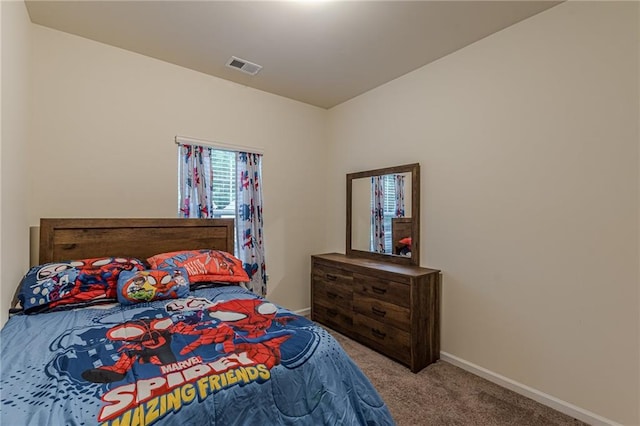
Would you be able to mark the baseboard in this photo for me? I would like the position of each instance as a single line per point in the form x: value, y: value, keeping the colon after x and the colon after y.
x: 524, y: 390
x: 541, y: 397
x: 304, y: 312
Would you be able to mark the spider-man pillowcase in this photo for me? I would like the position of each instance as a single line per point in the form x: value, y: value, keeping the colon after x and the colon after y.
x: 150, y: 285
x: 73, y: 283
x: 203, y: 265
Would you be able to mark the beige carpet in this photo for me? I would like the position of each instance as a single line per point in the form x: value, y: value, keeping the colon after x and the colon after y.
x: 443, y: 394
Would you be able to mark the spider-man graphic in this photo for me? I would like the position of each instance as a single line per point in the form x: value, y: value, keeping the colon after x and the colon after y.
x: 236, y: 326
x: 98, y: 272
x: 147, y: 340
x: 200, y: 261
x: 251, y: 320
x: 69, y: 282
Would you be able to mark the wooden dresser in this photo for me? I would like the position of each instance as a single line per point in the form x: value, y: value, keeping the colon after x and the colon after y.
x: 394, y: 309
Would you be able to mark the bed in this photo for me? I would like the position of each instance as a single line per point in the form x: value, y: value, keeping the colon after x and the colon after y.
x: 215, y: 355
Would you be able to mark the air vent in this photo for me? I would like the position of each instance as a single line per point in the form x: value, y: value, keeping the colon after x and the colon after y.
x: 244, y: 66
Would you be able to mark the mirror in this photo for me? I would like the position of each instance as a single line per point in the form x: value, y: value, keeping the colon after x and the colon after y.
x: 383, y: 214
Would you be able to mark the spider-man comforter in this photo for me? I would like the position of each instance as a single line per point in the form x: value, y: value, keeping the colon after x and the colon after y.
x: 220, y: 357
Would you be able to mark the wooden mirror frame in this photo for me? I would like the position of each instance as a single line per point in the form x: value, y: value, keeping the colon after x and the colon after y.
x: 414, y: 169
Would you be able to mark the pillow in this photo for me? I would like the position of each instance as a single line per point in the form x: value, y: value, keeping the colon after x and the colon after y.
x: 150, y: 285
x: 203, y: 265
x: 73, y: 283
x: 406, y: 241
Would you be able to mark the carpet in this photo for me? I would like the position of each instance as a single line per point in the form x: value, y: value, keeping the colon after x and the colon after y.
x: 443, y: 394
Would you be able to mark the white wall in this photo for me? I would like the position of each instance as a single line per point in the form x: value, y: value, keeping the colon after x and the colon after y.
x: 103, y: 124
x: 528, y: 145
x: 14, y: 229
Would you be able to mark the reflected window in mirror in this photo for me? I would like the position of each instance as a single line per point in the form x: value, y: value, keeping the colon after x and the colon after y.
x: 379, y: 202
x: 383, y: 213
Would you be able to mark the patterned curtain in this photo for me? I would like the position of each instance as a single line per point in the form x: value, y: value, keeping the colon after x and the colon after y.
x: 194, y: 191
x: 399, y: 184
x: 377, y: 213
x: 249, y: 220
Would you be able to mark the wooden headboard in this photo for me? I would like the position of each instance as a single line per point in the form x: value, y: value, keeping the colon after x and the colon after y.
x: 65, y: 239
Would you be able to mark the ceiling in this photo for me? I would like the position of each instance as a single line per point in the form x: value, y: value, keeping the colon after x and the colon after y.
x: 318, y: 52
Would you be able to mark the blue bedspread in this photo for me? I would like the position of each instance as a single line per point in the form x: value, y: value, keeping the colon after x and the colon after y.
x: 220, y: 357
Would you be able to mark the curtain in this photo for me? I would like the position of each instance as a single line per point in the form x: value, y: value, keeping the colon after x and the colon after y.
x: 195, y: 200
x: 195, y: 175
x: 399, y: 186
x: 249, y: 224
x: 377, y: 213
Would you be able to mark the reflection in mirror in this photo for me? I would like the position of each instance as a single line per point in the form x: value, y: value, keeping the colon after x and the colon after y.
x: 383, y: 214
x: 361, y: 232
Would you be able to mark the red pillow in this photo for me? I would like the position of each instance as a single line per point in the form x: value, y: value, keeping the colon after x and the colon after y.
x: 406, y: 241
x: 203, y: 265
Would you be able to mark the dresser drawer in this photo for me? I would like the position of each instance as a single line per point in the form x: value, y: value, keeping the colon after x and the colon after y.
x: 331, y: 274
x: 384, y: 312
x: 389, y: 291
x: 333, y: 317
x: 383, y: 337
x: 332, y: 294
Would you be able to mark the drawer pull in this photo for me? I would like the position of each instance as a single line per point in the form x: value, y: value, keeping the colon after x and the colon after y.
x: 377, y: 333
x: 332, y: 312
x: 378, y: 312
x: 378, y: 290
x: 331, y: 295
x: 332, y: 277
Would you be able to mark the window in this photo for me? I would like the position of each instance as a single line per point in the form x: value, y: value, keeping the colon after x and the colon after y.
x: 223, y: 186
x: 207, y: 182
x: 219, y: 183
x: 389, y: 211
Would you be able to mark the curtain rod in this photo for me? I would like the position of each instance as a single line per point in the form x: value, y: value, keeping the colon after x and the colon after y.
x: 183, y: 140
